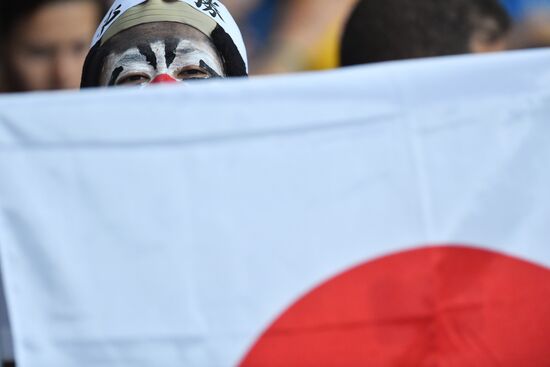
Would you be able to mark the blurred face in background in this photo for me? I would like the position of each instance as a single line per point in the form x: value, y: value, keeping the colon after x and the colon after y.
x: 46, y: 50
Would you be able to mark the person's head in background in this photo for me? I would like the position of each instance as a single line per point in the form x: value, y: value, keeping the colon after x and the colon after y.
x: 44, y: 42
x: 164, y: 41
x: 384, y: 30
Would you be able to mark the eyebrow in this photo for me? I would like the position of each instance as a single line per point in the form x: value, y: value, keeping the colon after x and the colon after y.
x: 130, y: 57
x: 185, y: 50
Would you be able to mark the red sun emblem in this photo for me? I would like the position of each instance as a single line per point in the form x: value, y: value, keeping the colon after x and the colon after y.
x: 437, y: 306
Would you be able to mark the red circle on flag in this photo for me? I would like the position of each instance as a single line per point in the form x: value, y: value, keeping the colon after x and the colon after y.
x: 442, y: 306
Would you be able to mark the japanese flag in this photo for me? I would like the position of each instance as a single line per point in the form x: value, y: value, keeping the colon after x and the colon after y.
x: 391, y: 215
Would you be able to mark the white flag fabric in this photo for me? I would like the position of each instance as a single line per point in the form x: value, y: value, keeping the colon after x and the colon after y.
x: 173, y: 226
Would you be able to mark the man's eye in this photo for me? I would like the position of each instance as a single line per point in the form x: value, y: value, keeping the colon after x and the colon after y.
x: 194, y: 73
x: 133, y: 79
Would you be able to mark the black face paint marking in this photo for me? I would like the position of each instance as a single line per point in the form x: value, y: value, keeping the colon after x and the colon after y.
x: 112, y: 15
x: 150, y: 56
x: 170, y: 51
x: 206, y: 67
x: 115, y: 75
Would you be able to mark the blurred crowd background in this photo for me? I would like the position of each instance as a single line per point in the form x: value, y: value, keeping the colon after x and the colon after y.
x: 43, y: 46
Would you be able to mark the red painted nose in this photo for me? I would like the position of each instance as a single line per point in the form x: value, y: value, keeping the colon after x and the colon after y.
x: 163, y: 78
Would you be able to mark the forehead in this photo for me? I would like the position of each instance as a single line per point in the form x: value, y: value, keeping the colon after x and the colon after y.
x: 49, y: 23
x: 154, y: 32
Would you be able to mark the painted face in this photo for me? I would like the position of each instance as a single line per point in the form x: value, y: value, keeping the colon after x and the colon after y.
x: 162, y: 60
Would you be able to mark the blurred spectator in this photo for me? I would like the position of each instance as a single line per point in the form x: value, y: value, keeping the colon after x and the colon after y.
x: 532, y: 31
x: 382, y: 30
x: 307, y: 36
x: 44, y: 42
x: 291, y: 35
x: 532, y: 28
x: 519, y: 9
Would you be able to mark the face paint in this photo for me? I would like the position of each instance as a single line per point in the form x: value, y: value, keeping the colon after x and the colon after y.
x: 173, y: 59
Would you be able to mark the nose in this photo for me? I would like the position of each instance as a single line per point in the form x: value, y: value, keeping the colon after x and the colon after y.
x: 163, y: 78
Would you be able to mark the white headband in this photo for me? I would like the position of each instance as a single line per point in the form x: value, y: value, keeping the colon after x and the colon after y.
x: 213, y: 9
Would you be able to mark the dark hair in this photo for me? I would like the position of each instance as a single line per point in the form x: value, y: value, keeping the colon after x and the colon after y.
x: 383, y: 30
